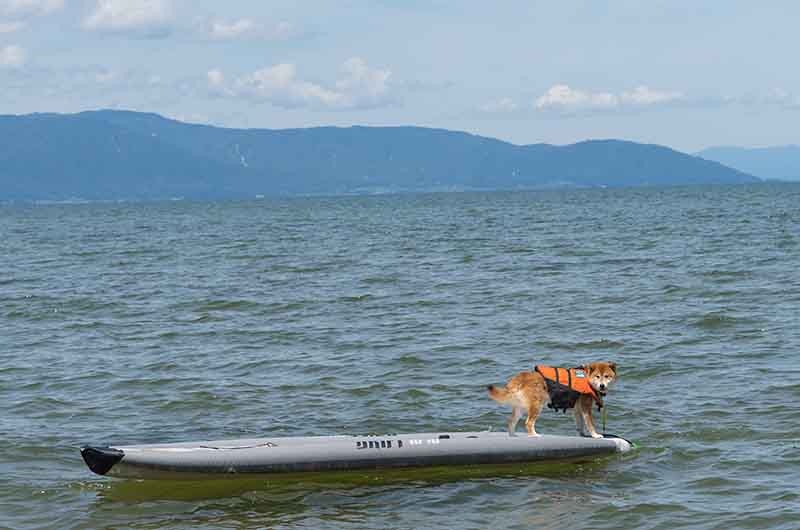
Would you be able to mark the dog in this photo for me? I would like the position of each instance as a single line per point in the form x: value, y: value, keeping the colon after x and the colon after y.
x: 577, y: 388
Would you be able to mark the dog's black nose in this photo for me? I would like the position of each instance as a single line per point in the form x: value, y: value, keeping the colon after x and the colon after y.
x: 602, y: 386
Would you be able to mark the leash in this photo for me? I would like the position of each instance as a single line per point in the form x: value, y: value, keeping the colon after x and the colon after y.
x: 604, y: 415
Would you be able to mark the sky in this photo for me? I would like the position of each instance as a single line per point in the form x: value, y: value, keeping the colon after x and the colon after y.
x: 685, y: 74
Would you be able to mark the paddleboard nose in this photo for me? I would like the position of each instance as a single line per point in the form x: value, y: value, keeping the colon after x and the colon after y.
x: 623, y: 445
x: 101, y: 459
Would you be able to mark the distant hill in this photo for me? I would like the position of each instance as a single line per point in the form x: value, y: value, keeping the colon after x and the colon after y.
x: 781, y: 163
x: 129, y: 155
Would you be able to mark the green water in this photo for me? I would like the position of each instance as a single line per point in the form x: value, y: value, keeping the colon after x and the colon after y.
x: 136, y: 323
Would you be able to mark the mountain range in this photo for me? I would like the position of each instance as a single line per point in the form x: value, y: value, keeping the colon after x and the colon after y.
x: 779, y: 163
x: 110, y: 154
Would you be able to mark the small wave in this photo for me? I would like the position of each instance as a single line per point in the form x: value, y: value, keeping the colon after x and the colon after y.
x: 142, y: 252
x: 226, y: 305
x: 623, y: 261
x: 411, y: 360
x: 578, y: 252
x: 377, y: 388
x: 719, y: 320
x: 598, y: 344
x: 719, y: 294
x: 298, y: 270
x: 723, y: 276
x: 521, y: 250
x: 792, y: 390
x: 550, y: 267
x: 381, y: 280
x: 356, y: 298
x: 412, y: 393
x: 481, y: 361
x: 674, y: 289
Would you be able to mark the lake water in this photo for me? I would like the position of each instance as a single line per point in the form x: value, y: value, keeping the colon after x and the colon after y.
x: 180, y: 321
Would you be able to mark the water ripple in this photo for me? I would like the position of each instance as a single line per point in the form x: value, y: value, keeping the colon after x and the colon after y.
x: 178, y: 321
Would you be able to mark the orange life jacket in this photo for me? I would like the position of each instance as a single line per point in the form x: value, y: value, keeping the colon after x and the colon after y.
x: 565, y: 386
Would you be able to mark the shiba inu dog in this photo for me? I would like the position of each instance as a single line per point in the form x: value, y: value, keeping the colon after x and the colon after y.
x: 561, y: 388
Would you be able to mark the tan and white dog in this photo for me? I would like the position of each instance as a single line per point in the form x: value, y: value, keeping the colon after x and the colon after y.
x: 528, y: 391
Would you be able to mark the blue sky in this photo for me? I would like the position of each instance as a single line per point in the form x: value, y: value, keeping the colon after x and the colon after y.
x: 684, y: 74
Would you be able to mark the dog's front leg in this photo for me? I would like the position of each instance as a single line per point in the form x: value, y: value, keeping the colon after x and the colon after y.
x: 583, y: 417
x: 580, y: 424
x: 590, y: 423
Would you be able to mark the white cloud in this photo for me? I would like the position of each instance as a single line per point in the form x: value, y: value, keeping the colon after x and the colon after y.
x: 12, y: 56
x: 642, y: 95
x: 215, y: 78
x: 216, y: 83
x: 362, y: 83
x: 359, y: 87
x: 247, y: 28
x: 11, y: 27
x: 500, y: 106
x: 135, y: 18
x: 224, y: 30
x: 563, y: 98
x: 279, y: 85
x: 26, y: 8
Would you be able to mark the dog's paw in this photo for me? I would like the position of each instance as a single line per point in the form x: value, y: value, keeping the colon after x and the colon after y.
x: 534, y: 435
x: 596, y: 435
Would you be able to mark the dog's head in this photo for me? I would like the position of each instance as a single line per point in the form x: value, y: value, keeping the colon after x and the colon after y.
x: 601, y: 375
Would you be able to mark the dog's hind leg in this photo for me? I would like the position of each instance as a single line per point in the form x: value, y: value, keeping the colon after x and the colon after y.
x: 516, y: 414
x: 530, y: 423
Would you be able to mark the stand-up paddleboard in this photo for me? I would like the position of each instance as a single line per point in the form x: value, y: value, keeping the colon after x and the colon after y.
x: 269, y: 456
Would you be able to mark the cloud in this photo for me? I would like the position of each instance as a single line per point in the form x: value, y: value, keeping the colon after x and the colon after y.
x: 362, y: 83
x: 777, y: 97
x: 279, y: 85
x: 29, y: 8
x: 223, y: 30
x: 359, y: 87
x: 11, y: 27
x: 216, y: 83
x: 134, y: 18
x: 12, y: 57
x: 500, y: 106
x: 643, y: 95
x: 215, y: 78
x: 247, y: 28
x: 563, y: 98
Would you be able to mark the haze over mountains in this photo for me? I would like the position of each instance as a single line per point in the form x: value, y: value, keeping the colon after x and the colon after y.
x: 130, y: 155
x: 780, y: 163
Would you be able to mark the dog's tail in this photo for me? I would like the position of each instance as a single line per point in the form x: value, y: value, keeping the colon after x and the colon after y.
x: 499, y: 393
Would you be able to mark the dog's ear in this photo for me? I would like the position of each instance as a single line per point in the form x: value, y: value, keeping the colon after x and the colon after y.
x: 613, y: 367
x: 588, y: 368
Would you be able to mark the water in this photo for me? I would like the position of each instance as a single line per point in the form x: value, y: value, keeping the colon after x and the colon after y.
x: 176, y: 321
